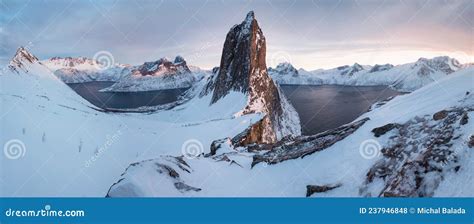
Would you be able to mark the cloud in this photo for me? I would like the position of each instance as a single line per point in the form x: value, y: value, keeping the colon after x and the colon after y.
x: 137, y: 31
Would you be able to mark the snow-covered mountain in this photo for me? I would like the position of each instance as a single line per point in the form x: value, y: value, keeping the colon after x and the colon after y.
x: 54, y: 124
x: 416, y: 145
x: 34, y: 74
x: 286, y: 74
x: 82, y: 69
x: 157, y: 75
x: 406, y: 77
x: 52, y: 151
x: 57, y: 144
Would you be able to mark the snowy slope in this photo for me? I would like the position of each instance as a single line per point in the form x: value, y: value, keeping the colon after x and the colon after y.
x: 406, y: 77
x: 73, y: 149
x: 343, y: 166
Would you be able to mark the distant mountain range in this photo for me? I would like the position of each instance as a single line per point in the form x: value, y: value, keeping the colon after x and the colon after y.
x: 405, y: 77
x: 155, y: 75
x: 166, y: 74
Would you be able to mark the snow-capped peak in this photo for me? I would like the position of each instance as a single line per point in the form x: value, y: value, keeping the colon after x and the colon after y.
x: 284, y: 68
x: 81, y: 63
x: 378, y: 68
x: 21, y: 58
x: 350, y: 70
x: 156, y: 75
x: 249, y: 18
x: 443, y: 64
x: 179, y: 60
x: 163, y: 66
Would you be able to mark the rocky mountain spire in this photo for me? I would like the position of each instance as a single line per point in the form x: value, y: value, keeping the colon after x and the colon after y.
x: 240, y: 57
x: 243, y: 69
x: 22, y: 57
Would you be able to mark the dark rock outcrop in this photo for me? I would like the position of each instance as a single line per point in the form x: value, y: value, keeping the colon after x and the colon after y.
x: 351, y: 70
x: 384, y: 129
x: 378, y: 68
x: 243, y: 69
x: 440, y: 115
x: 470, y: 143
x: 312, y: 189
x: 464, y: 119
x: 301, y: 146
x: 416, y: 158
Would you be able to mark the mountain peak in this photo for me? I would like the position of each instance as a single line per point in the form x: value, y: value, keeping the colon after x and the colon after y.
x: 179, y: 59
x: 243, y: 69
x: 378, y: 68
x: 444, y: 64
x: 250, y: 16
x: 162, y: 66
x: 247, y: 39
x: 284, y: 68
x: 22, y: 57
x: 23, y: 54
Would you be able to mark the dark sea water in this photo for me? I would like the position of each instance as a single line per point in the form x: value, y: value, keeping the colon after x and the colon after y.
x: 326, y: 107
x: 121, y: 100
x: 320, y: 108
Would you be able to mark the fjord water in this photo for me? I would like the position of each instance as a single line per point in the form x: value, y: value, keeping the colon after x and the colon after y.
x: 320, y: 107
x: 120, y: 100
x: 326, y: 107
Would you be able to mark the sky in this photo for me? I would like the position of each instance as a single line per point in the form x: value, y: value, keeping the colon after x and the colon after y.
x: 309, y: 34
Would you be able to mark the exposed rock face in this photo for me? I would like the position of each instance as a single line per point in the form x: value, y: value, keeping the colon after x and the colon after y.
x: 243, y: 69
x: 378, y: 68
x: 312, y: 189
x: 470, y: 144
x: 21, y: 57
x: 162, y: 67
x: 384, y: 129
x: 417, y: 157
x: 351, y: 70
x: 440, y: 115
x: 155, y: 75
x: 301, y: 146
